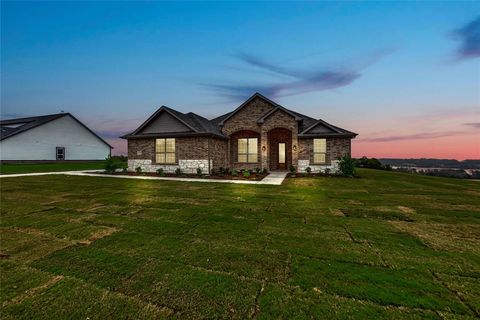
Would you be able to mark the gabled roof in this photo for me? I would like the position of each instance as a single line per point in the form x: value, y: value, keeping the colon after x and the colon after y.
x: 12, y: 127
x: 198, y: 125
x: 269, y: 113
x: 255, y: 95
x: 201, y: 126
x: 335, y: 131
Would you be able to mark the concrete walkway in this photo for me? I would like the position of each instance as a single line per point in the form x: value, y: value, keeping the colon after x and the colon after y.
x: 274, y: 178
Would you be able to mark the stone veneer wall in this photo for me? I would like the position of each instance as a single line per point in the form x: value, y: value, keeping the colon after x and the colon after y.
x: 190, y: 152
x: 336, y: 148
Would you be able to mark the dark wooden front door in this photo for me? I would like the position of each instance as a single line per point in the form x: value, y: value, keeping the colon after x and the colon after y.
x: 282, y: 156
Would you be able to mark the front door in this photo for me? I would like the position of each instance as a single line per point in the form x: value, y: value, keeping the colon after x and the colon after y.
x: 281, y: 156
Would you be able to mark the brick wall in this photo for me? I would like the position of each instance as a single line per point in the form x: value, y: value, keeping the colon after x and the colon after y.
x: 336, y: 148
x: 186, y: 148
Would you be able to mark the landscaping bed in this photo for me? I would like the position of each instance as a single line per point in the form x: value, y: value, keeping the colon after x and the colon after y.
x: 240, y: 175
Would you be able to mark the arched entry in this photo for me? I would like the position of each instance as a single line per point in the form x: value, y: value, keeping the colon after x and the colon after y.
x: 280, y: 148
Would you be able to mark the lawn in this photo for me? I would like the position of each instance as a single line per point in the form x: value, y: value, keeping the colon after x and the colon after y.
x: 386, y: 245
x: 49, y: 167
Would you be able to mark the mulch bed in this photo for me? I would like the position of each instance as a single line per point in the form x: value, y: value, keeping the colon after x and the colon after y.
x: 252, y: 177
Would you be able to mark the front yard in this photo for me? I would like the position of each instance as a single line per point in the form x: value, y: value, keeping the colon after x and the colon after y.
x: 49, y: 167
x: 387, y: 245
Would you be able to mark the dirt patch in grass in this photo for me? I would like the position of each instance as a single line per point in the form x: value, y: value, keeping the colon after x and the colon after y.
x: 98, y: 235
x: 382, y: 213
x: 337, y: 212
x: 445, y: 237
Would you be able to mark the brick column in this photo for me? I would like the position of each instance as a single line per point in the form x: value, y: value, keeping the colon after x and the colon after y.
x: 295, y: 152
x: 264, y: 154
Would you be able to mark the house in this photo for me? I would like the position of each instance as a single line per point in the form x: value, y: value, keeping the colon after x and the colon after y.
x: 258, y: 134
x: 55, y: 137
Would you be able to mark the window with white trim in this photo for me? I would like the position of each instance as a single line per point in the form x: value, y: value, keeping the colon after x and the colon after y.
x: 165, y: 150
x: 248, y: 150
x: 319, y: 151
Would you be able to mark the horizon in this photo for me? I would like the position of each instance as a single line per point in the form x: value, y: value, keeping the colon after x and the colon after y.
x: 410, y: 88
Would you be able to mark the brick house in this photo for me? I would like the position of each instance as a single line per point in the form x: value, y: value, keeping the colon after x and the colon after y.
x: 258, y: 134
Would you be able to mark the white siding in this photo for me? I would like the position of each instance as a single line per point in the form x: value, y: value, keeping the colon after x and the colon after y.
x: 39, y: 143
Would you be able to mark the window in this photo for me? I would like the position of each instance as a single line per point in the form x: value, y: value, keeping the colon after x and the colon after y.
x: 60, y: 153
x: 247, y: 150
x: 165, y: 150
x: 319, y: 150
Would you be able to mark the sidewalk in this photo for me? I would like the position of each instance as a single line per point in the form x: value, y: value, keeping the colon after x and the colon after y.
x: 274, y: 178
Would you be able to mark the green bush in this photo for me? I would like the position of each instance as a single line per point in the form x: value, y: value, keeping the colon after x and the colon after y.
x: 264, y: 171
x: 292, y: 168
x: 309, y: 170
x: 199, y: 172
x: 112, y: 164
x: 234, y: 173
x: 246, y: 173
x: 258, y: 170
x: 178, y: 172
x: 138, y: 170
x: 347, y: 166
x: 160, y: 172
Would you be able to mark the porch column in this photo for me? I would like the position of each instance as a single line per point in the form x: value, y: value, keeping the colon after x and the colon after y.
x: 295, y: 149
x: 264, y: 153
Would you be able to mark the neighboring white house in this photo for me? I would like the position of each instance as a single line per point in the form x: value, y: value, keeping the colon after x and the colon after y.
x: 51, y: 137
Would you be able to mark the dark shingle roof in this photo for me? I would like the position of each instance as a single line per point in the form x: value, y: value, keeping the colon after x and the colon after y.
x: 11, y: 127
x: 203, y: 126
x: 198, y: 124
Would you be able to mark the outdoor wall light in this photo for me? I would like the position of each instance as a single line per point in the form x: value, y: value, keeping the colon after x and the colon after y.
x: 264, y: 148
x: 294, y: 147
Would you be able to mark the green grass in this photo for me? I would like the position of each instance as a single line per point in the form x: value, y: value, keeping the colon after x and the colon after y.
x: 11, y: 168
x: 388, y: 245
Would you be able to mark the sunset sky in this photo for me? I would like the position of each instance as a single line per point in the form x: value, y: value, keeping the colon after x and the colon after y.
x: 405, y: 76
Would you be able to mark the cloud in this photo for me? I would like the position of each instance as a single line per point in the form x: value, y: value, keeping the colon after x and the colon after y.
x: 416, y: 136
x: 290, y: 80
x: 475, y: 125
x: 469, y: 37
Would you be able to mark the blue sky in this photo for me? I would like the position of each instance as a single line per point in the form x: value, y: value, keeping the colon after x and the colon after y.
x: 404, y: 75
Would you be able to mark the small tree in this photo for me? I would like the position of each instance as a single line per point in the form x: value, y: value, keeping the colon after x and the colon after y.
x: 347, y: 166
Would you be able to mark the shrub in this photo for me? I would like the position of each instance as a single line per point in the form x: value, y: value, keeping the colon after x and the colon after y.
x: 292, y: 169
x: 160, y: 172
x: 138, y: 170
x: 246, y: 173
x: 112, y: 164
x: 234, y: 173
x: 257, y: 170
x: 328, y: 171
x: 265, y: 171
x: 308, y: 169
x: 178, y: 172
x: 199, y: 172
x: 347, y: 166
x: 221, y: 170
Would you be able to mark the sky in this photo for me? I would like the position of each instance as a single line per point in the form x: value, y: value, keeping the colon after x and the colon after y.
x: 404, y: 75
